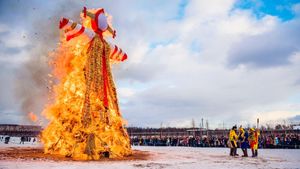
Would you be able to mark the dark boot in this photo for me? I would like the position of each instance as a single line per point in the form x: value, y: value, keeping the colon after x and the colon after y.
x: 255, y: 153
x: 231, y: 151
x: 235, y: 152
x: 245, y: 153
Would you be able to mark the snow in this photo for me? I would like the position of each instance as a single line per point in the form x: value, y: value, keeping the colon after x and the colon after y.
x: 170, y: 157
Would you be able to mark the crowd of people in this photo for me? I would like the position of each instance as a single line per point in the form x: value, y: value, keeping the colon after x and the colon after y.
x: 17, y: 140
x: 265, y: 140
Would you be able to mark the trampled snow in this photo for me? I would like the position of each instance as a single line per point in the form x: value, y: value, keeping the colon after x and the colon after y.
x: 170, y: 157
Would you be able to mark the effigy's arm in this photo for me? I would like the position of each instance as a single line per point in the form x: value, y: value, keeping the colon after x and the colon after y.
x: 73, y: 29
x: 116, y: 53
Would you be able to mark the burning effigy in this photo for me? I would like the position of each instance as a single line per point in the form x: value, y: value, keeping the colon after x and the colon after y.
x: 85, y: 119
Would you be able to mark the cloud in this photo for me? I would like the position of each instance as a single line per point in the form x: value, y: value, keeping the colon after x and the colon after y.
x: 272, y: 48
x: 204, y: 64
x: 196, y: 81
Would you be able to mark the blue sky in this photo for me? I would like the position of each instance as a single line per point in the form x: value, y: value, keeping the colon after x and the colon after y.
x: 282, y: 9
x: 225, y: 61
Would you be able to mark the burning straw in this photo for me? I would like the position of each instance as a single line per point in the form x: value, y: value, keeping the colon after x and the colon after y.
x: 85, y: 120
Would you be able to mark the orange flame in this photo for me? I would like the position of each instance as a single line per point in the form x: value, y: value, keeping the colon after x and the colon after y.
x: 32, y: 117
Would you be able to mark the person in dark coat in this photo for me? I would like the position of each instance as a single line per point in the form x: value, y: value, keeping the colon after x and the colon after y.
x: 243, y: 137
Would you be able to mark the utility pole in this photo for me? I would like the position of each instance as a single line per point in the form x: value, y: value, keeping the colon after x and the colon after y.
x: 161, y: 124
x: 223, y: 129
x: 206, y: 124
x: 207, y: 128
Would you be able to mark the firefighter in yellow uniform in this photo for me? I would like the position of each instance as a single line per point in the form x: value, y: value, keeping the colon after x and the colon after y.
x: 233, y: 138
x: 253, y: 140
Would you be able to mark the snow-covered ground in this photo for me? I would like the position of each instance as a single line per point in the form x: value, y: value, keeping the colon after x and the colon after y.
x: 170, y: 157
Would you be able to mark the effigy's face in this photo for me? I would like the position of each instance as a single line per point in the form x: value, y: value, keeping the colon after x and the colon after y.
x: 105, y: 21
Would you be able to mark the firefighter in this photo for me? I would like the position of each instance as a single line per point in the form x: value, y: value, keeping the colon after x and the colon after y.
x: 233, y: 138
x: 253, y: 140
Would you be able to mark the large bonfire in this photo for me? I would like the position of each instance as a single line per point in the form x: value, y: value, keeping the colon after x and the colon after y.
x: 85, y: 120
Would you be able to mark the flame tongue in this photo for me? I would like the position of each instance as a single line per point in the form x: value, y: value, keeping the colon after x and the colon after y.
x: 81, y: 125
x: 32, y: 117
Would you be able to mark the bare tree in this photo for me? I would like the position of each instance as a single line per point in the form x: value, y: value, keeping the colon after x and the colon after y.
x: 193, y: 123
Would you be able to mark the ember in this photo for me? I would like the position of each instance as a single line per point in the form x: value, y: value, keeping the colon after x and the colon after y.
x: 85, y: 120
x: 32, y: 117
